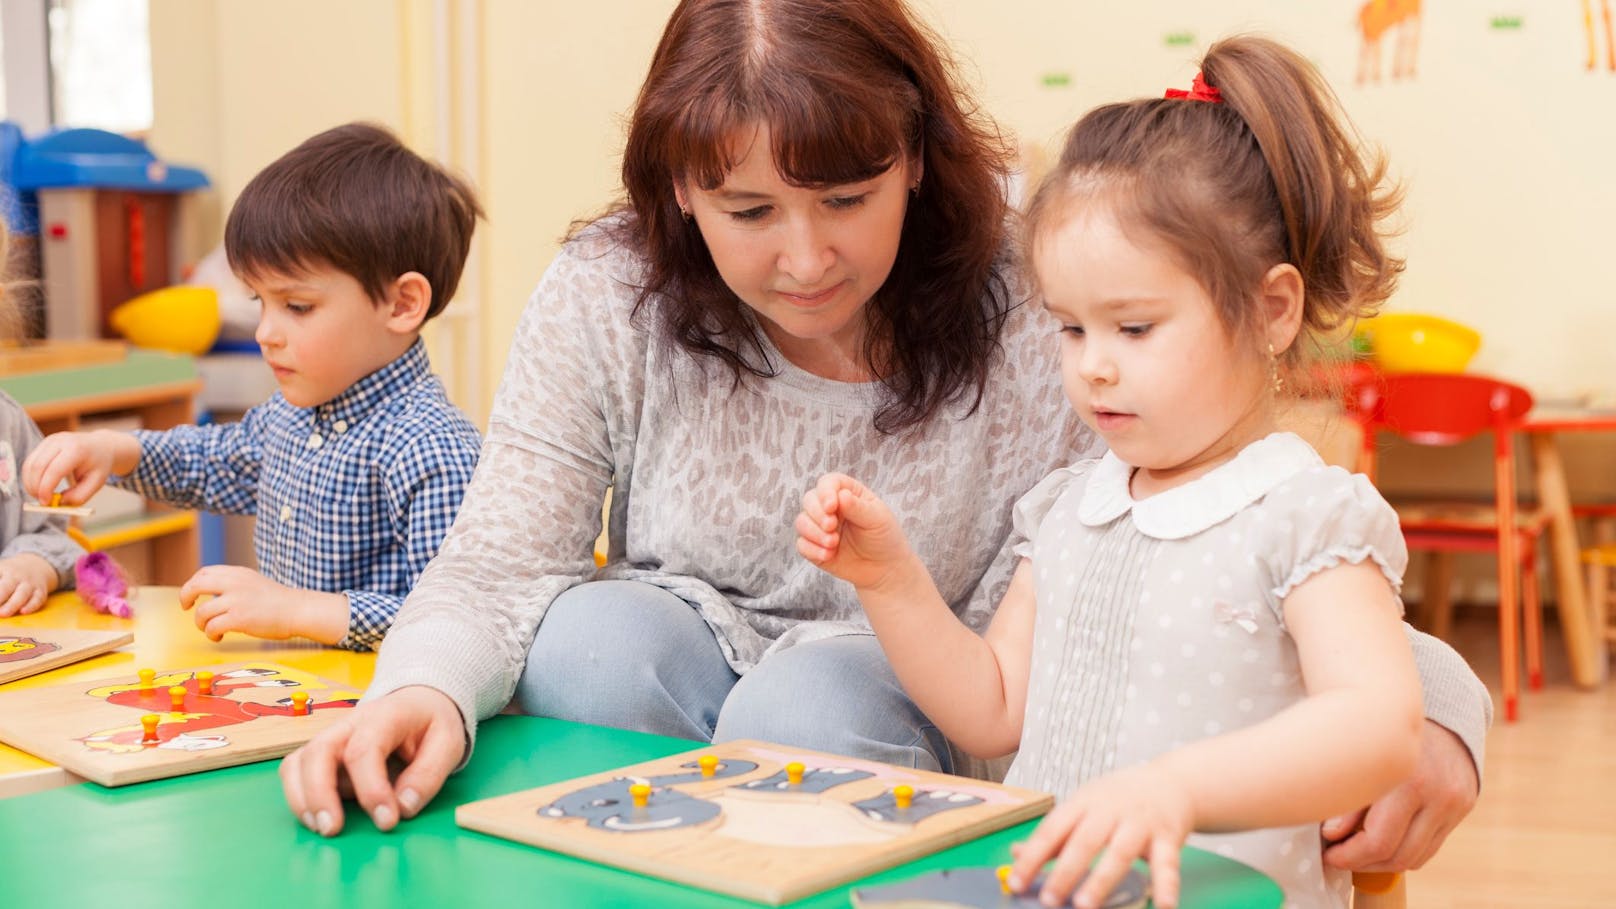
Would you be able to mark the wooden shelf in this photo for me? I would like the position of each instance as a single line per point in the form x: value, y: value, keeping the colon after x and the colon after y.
x: 164, y: 546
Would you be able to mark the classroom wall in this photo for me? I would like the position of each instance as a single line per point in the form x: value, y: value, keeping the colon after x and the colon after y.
x: 1502, y: 136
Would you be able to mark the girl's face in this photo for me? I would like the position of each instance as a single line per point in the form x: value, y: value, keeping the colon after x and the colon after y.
x: 806, y: 260
x: 1145, y: 359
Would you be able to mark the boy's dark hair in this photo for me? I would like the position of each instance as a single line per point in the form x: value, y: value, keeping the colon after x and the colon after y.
x: 354, y: 198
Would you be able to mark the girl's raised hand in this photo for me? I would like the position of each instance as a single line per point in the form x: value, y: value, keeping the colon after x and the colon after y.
x: 848, y: 531
x: 1138, y: 811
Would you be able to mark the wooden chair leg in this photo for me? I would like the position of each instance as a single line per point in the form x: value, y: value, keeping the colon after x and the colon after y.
x: 1379, y: 890
x: 1436, y: 607
x: 1599, y: 599
x: 1532, y: 613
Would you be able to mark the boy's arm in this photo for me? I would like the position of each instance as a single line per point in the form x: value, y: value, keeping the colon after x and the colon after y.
x: 424, y: 488
x: 212, y: 468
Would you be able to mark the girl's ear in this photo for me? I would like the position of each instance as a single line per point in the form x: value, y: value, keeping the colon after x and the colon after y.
x: 408, y: 301
x: 1281, y: 295
x: 679, y: 196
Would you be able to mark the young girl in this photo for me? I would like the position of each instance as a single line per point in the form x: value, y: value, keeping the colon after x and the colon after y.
x: 1204, y: 631
x: 36, y: 554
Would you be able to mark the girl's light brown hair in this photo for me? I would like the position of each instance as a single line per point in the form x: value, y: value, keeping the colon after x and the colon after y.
x: 848, y: 88
x: 1272, y: 174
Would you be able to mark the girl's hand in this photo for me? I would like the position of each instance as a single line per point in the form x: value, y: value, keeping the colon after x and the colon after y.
x: 25, y: 581
x: 1139, y: 811
x: 848, y: 531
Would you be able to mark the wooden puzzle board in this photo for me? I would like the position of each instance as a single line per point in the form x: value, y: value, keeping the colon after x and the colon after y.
x: 747, y: 830
x: 29, y: 651
x: 93, y: 727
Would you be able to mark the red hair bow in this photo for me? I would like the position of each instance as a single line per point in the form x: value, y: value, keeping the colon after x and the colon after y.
x: 1199, y: 91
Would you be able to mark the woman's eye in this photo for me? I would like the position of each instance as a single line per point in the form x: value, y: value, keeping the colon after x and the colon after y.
x: 845, y: 202
x: 750, y: 214
x: 1136, y: 331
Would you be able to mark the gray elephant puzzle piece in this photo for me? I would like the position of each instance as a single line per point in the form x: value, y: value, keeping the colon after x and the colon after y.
x: 978, y: 888
x: 926, y: 802
x: 609, y: 806
x: 815, y: 780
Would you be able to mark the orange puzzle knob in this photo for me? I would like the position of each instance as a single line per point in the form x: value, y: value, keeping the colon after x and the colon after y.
x: 204, y: 682
x: 148, y: 727
x: 300, y: 703
x: 176, y: 697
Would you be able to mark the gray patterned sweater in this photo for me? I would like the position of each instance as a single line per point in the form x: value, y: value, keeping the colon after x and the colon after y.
x: 706, y: 481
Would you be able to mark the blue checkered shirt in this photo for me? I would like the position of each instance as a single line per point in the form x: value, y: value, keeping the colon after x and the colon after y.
x: 352, y: 496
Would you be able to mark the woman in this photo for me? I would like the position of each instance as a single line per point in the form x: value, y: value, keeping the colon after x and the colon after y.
x: 809, y: 273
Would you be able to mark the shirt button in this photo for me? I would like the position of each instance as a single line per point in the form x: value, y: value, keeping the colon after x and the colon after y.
x: 315, y: 440
x: 286, y: 512
x: 340, y: 426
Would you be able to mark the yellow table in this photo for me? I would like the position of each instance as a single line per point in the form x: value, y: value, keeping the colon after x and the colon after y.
x: 165, y: 637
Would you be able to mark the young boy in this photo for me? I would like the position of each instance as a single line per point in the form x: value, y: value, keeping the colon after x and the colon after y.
x: 356, y: 466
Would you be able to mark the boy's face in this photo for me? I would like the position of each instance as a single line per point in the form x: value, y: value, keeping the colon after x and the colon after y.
x: 321, y: 333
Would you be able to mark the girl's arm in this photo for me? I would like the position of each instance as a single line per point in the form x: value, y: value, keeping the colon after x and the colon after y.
x: 974, y: 688
x: 1354, y: 737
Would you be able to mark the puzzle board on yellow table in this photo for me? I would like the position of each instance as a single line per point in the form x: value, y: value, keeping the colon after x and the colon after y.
x: 29, y: 651
x: 765, y: 822
x: 245, y: 712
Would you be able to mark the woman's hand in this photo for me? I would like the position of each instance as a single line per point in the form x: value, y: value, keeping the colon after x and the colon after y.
x: 848, y: 531
x: 419, y: 726
x: 1139, y: 811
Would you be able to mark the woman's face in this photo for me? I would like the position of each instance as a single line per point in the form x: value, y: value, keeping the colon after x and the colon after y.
x: 804, y: 259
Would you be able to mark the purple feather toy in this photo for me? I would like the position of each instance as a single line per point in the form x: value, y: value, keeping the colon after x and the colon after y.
x: 102, y: 584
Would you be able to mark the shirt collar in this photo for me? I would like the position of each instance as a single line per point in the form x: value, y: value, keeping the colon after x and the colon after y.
x: 368, y: 393
x: 1202, y: 503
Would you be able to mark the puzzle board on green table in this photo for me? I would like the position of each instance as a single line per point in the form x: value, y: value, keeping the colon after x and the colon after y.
x: 747, y: 829
x: 29, y: 651
x: 94, y: 727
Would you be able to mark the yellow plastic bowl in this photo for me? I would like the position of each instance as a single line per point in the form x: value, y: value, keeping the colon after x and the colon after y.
x: 1415, y: 342
x: 183, y: 319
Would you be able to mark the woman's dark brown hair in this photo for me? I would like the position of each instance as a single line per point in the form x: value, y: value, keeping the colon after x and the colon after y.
x: 1270, y: 175
x: 848, y: 88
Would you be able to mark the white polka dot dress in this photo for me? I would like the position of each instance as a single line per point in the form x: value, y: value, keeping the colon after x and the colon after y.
x: 1159, y: 621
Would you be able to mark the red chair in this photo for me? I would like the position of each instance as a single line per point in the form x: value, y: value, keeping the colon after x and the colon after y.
x: 1445, y: 409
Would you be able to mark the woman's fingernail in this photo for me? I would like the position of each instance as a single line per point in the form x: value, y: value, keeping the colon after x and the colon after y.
x: 308, y: 820
x: 411, y: 801
x: 385, y: 817
x: 323, y: 823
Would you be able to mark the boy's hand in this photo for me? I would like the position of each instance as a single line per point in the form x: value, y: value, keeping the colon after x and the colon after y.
x: 1138, y: 811
x: 25, y: 581
x: 84, y: 459
x: 848, y: 531
x: 244, y: 601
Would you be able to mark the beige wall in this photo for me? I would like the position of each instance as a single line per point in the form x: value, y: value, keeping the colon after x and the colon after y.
x: 1503, y: 138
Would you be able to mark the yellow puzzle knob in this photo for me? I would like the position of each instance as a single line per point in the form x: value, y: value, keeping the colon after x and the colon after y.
x: 794, y: 773
x: 641, y: 794
x: 709, y: 765
x: 1004, y: 878
x: 903, y: 795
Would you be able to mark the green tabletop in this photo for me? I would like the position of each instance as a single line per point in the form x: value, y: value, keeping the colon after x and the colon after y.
x: 225, y: 839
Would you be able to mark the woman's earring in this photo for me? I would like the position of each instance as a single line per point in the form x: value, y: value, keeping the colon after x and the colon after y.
x: 685, y: 212
x: 914, y: 188
x: 1273, y: 369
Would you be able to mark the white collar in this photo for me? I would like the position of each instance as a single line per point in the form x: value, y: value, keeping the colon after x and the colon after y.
x: 1205, y: 501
